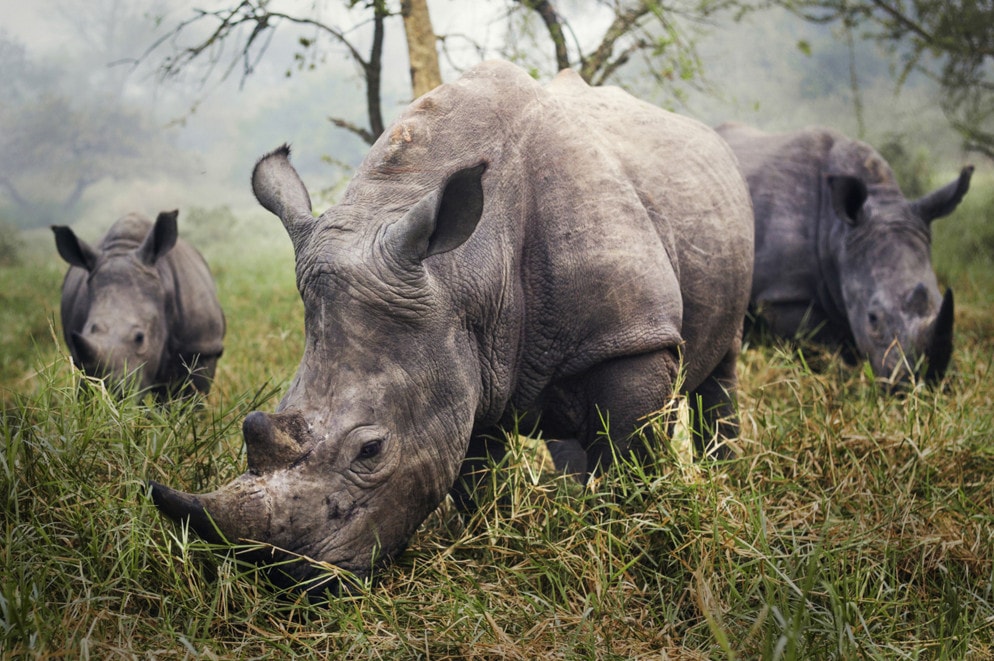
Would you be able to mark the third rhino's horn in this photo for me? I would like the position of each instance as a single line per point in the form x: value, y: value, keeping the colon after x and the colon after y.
x: 940, y: 348
x: 272, y: 441
x: 87, y: 351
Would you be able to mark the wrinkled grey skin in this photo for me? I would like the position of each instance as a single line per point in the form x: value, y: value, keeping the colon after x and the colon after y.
x: 142, y: 306
x: 842, y: 257
x: 504, y: 248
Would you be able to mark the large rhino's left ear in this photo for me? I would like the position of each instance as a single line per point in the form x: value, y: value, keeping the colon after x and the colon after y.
x: 942, y: 202
x: 160, y: 239
x: 443, y: 219
x: 848, y: 196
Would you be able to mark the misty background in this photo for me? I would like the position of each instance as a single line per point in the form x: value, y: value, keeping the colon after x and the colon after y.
x: 90, y: 131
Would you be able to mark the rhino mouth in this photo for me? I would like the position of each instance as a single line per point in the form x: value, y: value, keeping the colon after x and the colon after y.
x: 285, y: 569
x: 898, y: 372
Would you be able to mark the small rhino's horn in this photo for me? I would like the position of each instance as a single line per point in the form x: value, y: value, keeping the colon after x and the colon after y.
x: 86, y: 351
x: 940, y: 349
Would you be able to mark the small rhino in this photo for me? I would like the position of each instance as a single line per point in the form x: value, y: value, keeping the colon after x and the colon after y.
x: 141, y: 305
x: 842, y: 257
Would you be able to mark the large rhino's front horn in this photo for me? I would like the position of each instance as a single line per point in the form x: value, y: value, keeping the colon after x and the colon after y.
x: 180, y: 506
x: 240, y: 510
x: 939, y: 351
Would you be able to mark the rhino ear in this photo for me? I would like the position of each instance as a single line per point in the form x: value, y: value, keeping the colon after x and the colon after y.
x: 72, y: 249
x: 942, y: 202
x: 443, y: 219
x: 279, y: 189
x: 848, y: 196
x: 160, y: 239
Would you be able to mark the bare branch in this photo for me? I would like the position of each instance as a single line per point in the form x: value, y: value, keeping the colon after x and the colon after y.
x: 620, y: 26
x: 366, y: 136
x: 554, y: 25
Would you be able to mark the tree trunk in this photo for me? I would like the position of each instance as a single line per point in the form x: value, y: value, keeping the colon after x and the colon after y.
x: 554, y: 25
x: 425, y: 74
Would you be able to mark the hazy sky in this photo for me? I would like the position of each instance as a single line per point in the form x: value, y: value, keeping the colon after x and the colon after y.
x: 221, y: 129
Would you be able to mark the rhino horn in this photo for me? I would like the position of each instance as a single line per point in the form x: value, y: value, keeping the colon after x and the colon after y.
x: 236, y: 512
x: 940, y: 349
x: 271, y: 441
x: 86, y: 351
x: 181, y: 506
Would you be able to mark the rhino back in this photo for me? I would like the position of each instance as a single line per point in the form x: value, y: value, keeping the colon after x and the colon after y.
x: 584, y: 238
x: 785, y: 173
x: 685, y: 178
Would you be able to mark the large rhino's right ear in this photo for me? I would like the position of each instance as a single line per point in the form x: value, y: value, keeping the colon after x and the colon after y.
x: 848, y: 196
x: 72, y: 249
x: 279, y: 189
x: 443, y: 219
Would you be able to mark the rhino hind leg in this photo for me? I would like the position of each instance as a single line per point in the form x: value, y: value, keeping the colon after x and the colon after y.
x: 713, y: 416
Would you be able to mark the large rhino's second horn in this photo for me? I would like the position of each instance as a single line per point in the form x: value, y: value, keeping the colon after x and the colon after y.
x: 273, y: 441
x: 940, y: 347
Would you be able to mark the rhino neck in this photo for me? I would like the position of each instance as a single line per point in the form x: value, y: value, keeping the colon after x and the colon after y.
x: 828, y: 238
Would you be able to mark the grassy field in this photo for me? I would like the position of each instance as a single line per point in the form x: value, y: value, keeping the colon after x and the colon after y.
x: 851, y: 525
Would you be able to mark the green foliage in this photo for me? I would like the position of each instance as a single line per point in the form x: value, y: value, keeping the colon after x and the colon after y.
x: 911, y: 166
x: 952, y: 42
x: 852, y: 525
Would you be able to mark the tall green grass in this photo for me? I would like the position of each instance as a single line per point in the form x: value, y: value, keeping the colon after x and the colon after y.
x: 851, y: 525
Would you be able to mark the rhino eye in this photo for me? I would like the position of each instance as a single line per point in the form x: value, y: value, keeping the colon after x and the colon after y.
x: 369, y: 450
x: 139, y: 337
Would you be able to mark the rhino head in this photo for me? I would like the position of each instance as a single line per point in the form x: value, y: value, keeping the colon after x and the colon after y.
x: 125, y: 332
x: 374, y: 427
x: 897, y: 315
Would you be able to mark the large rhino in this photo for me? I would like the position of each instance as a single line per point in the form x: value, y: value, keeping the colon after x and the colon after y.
x: 141, y: 306
x: 505, y: 249
x: 842, y: 257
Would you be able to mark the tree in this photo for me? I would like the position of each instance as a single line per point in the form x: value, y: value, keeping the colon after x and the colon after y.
x: 951, y: 41
x: 57, y: 145
x: 646, y: 27
x: 425, y: 73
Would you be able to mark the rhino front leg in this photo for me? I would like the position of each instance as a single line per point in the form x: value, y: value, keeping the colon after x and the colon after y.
x: 569, y: 457
x: 485, y: 450
x: 713, y: 417
x: 624, y: 393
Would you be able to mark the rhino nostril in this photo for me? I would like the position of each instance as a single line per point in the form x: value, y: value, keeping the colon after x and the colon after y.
x: 916, y: 302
